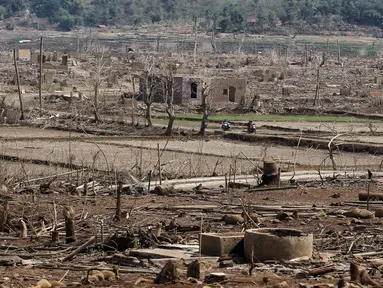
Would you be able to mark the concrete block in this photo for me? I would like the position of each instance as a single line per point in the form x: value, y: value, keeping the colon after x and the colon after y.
x: 23, y: 54
x: 258, y: 72
x: 345, y: 91
x: 220, y: 244
x: 286, y: 91
x: 138, y: 66
x: 279, y: 244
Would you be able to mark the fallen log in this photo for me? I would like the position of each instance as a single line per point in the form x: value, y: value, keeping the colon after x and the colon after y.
x: 373, y: 196
x: 163, y: 190
x: 59, y: 266
x: 270, y: 189
x: 79, y: 249
x: 322, y: 270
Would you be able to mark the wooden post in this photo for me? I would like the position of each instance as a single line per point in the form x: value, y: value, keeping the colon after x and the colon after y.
x: 328, y: 46
x: 158, y: 229
x: 159, y: 163
x: 4, y: 216
x: 85, y: 192
x: 102, y: 231
x: 149, y: 179
x: 195, y: 40
x: 141, y: 163
x: 41, y: 77
x: 18, y: 85
x: 368, y: 188
x: 118, y: 202
x: 316, y: 99
x: 55, y: 236
x: 78, y: 45
x: 234, y: 171
x: 287, y: 52
x: 337, y: 44
x: 306, y: 58
x: 226, y: 182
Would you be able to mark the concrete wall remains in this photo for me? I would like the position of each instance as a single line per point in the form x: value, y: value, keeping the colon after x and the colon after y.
x: 24, y: 54
x: 187, y: 88
x: 227, y: 90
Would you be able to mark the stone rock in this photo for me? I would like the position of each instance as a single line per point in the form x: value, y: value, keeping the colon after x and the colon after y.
x: 168, y: 274
x: 215, y: 277
x: 43, y: 283
x: 282, y: 216
x: 357, y: 221
x: 196, y: 270
x: 10, y: 260
x: 254, y: 216
x: 163, y: 190
x: 109, y: 275
x: 281, y: 285
x: 232, y: 219
x: 360, y: 213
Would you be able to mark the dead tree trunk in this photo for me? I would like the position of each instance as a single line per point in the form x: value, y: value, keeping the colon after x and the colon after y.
x: 158, y: 44
x: 18, y: 85
x: 205, y: 111
x: 213, y: 38
x: 41, y: 76
x: 117, y: 217
x: 148, y: 115
x: 69, y: 215
x: 169, y: 129
x: 148, y: 98
x: 195, y: 40
x: 323, y: 59
x: 96, y: 85
x: 331, y: 147
x: 169, y: 104
x: 4, y: 216
x: 316, y: 99
x: 24, y: 230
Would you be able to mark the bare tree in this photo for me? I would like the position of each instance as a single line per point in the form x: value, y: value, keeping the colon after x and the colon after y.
x: 205, y: 108
x: 213, y: 46
x: 85, y: 38
x: 169, y: 98
x: 195, y: 39
x: 100, y: 64
x: 148, y: 94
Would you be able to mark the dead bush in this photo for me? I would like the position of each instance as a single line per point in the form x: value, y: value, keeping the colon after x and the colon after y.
x: 8, y: 113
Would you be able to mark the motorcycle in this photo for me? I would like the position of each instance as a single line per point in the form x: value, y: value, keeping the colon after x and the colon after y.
x: 251, y: 128
x: 225, y: 126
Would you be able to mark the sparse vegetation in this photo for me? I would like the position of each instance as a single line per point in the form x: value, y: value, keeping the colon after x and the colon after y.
x: 302, y: 16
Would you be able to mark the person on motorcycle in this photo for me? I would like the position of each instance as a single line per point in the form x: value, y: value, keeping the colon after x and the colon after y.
x: 225, y: 125
x: 250, y: 127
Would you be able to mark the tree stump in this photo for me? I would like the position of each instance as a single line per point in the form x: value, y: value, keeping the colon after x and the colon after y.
x: 270, y: 171
x: 69, y: 215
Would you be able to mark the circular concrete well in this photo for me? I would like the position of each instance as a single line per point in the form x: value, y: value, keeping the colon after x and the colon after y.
x: 277, y: 244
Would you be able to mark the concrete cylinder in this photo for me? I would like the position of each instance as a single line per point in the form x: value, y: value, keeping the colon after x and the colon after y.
x: 277, y: 244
